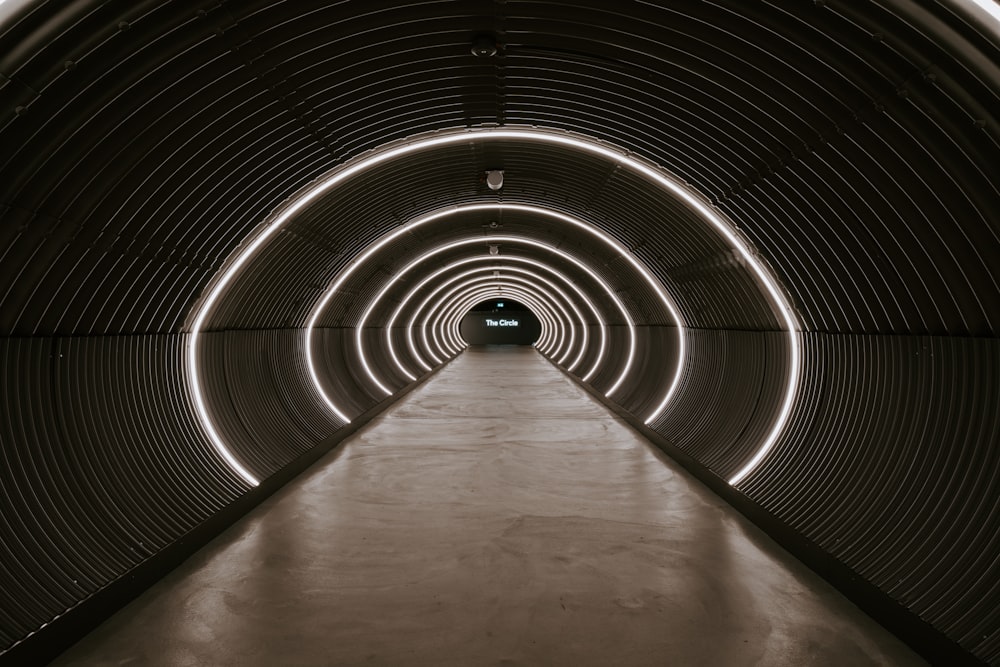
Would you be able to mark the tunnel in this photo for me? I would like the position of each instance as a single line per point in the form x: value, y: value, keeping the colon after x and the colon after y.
x: 764, y: 234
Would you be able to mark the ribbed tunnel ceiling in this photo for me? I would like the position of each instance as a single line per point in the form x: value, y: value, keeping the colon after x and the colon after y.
x: 851, y: 146
x: 320, y: 240
x: 812, y: 127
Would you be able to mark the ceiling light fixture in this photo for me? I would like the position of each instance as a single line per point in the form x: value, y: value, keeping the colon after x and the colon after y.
x: 494, y: 179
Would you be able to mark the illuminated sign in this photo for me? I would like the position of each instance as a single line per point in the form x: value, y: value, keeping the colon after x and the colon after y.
x: 501, y: 323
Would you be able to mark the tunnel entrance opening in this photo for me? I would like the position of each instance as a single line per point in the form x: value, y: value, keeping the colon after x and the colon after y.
x: 500, y: 322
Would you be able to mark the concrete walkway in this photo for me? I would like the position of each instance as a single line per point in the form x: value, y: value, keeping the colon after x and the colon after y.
x: 496, y: 516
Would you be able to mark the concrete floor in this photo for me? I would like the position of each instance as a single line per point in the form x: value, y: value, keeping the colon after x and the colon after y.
x: 496, y: 516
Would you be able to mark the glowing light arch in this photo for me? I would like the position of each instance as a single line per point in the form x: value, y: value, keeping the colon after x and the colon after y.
x: 458, y: 298
x: 550, y: 285
x: 561, y: 334
x: 566, y: 344
x: 452, y: 314
x: 553, y: 336
x: 507, y: 258
x: 304, y: 198
x: 492, y: 240
x: 497, y: 265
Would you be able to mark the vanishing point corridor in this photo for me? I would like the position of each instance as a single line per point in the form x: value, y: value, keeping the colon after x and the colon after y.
x: 498, y: 515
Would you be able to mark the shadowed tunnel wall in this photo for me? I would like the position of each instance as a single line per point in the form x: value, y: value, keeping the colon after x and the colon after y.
x: 851, y: 148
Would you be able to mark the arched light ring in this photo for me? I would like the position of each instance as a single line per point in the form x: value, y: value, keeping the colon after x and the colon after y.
x: 451, y: 313
x: 304, y: 198
x: 566, y: 341
x: 650, y: 280
x: 564, y: 337
x: 455, y: 303
x: 451, y: 317
x: 495, y: 265
x: 552, y: 327
x: 569, y: 283
x: 550, y: 337
x: 493, y: 240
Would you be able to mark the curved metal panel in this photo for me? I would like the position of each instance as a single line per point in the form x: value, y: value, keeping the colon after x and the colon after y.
x: 853, y: 146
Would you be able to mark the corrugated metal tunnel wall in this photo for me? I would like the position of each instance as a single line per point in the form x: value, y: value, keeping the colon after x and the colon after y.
x: 850, y: 147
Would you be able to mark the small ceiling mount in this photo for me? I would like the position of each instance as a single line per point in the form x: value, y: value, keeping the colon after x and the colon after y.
x: 484, y: 46
x: 494, y: 179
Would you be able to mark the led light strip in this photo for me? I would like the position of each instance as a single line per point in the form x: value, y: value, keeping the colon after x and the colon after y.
x: 552, y: 336
x: 563, y: 335
x: 552, y: 299
x: 531, y: 262
x: 202, y: 410
x: 597, y: 317
x: 497, y: 265
x: 990, y: 13
x: 493, y: 240
x: 565, y: 298
x: 641, y: 269
x: 610, y: 242
x: 541, y: 343
x: 452, y: 314
x: 325, y: 184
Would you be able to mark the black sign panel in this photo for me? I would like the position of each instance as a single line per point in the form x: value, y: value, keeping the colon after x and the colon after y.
x: 500, y: 328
